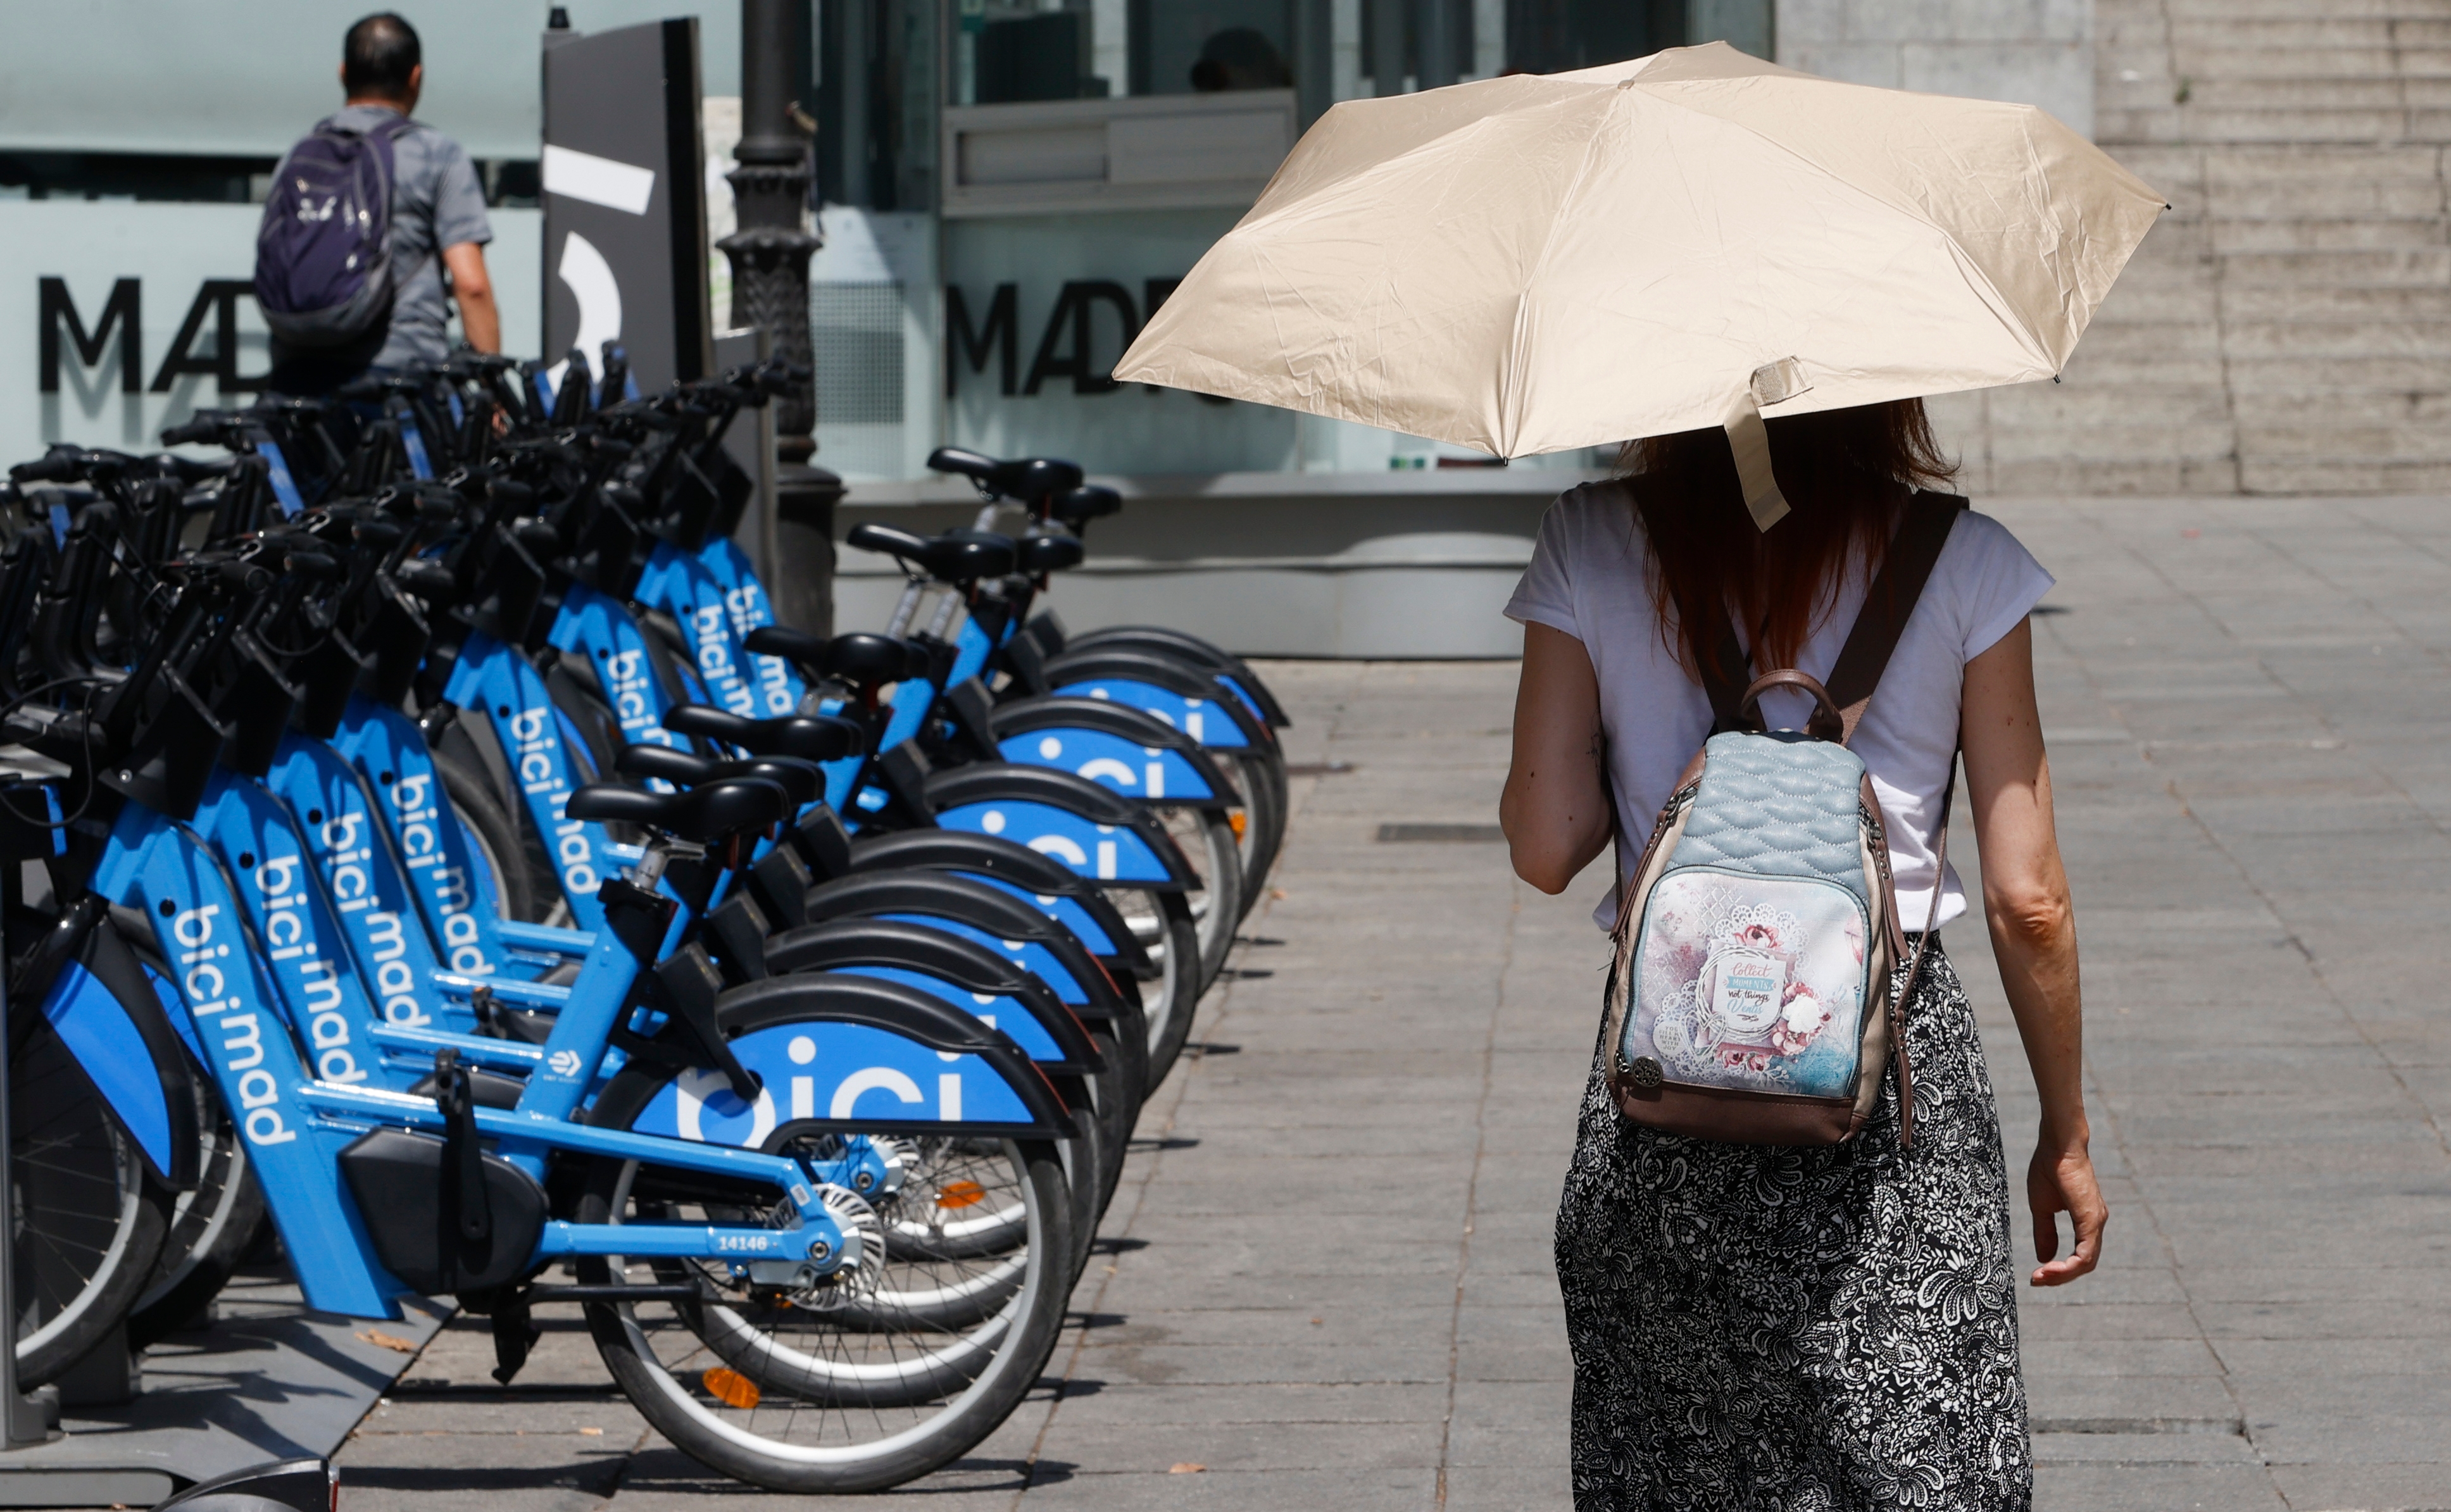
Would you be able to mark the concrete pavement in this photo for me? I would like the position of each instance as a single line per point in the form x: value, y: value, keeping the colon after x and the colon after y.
x: 1326, y: 1280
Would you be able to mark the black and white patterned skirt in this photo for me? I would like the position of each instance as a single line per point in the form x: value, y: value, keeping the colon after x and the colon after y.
x: 1809, y: 1329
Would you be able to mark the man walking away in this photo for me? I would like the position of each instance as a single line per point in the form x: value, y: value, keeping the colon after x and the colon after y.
x: 372, y: 218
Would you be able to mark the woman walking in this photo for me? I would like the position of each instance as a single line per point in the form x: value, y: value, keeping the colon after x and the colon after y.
x: 1806, y: 1329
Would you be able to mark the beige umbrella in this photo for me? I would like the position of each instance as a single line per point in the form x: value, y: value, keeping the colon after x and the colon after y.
x: 1532, y: 263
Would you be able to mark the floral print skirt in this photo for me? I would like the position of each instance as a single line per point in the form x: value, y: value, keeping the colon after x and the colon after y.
x: 1801, y: 1329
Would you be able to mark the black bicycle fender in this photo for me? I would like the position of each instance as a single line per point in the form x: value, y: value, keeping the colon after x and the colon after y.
x: 1093, y: 662
x: 1178, y: 646
x: 1007, y: 861
x: 965, y: 901
x: 948, y: 958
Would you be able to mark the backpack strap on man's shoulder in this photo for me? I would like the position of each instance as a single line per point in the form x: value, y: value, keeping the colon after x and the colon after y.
x: 1891, y: 601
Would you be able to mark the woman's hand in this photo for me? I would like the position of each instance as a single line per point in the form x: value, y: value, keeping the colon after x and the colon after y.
x: 2060, y: 1180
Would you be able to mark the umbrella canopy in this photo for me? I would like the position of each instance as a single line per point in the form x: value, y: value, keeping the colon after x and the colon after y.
x: 1532, y: 263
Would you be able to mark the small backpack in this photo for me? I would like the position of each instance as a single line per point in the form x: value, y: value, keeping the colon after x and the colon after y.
x: 1756, y: 995
x: 322, y: 251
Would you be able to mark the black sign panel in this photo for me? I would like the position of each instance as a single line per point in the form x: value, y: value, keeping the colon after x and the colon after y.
x: 624, y: 213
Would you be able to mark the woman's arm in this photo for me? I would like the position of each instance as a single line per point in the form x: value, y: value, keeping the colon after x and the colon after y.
x: 1555, y: 807
x: 2033, y: 934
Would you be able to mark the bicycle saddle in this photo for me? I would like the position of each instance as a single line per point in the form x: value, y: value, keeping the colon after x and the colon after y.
x: 810, y: 736
x: 786, y: 642
x: 957, y: 555
x: 701, y: 816
x: 1028, y: 478
x: 863, y: 658
x: 801, y: 779
x: 1049, y: 551
x: 1077, y: 506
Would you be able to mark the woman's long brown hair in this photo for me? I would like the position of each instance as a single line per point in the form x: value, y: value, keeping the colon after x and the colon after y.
x: 1845, y: 472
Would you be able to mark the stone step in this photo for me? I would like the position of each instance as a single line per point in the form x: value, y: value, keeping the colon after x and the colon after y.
x: 2217, y: 11
x: 2319, y: 236
x: 2160, y: 302
x: 2316, y: 30
x: 2345, y: 198
x: 2141, y: 474
x: 2187, y: 123
x: 2195, y: 442
x: 2423, y: 338
x: 2419, y: 416
x: 2157, y: 341
x: 2343, y: 476
x: 2215, y: 61
x: 2334, y: 375
x: 2078, y: 405
x: 2173, y: 253
x: 2384, y: 93
x: 2255, y: 163
x: 2095, y: 367
x: 2419, y: 266
x: 2349, y: 446
x: 2273, y: 128
x: 2314, y: 302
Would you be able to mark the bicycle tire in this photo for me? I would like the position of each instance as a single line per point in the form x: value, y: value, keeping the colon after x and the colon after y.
x: 1207, y: 842
x: 497, y: 842
x: 678, y: 1401
x: 1263, y: 824
x: 210, y: 1229
x: 89, y: 1217
x: 1173, y: 942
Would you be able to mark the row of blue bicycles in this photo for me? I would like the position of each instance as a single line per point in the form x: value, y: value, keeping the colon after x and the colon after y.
x: 421, y: 841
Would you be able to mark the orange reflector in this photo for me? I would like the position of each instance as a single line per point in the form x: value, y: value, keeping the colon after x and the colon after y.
x: 731, y: 1387
x: 1238, y: 819
x: 961, y: 1194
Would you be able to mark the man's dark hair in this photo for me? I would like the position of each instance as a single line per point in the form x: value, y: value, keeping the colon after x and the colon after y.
x: 378, y: 55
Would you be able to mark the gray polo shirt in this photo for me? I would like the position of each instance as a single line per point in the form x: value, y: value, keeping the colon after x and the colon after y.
x: 436, y: 201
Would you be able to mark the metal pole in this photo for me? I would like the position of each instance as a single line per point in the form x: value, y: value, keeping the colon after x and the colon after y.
x: 770, y: 289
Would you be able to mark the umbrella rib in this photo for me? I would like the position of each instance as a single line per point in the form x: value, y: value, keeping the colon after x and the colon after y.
x: 1517, y: 339
x: 1979, y: 280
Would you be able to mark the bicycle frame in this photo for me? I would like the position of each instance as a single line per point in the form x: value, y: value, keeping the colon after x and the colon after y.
x: 295, y: 1122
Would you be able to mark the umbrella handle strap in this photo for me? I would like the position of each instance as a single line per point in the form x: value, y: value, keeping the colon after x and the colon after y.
x: 1748, y: 438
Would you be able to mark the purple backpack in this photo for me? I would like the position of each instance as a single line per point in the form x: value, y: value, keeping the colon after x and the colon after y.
x: 323, y: 254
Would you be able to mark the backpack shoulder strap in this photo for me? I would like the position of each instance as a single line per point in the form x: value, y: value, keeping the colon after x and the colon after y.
x: 1726, y: 687
x: 1891, y: 601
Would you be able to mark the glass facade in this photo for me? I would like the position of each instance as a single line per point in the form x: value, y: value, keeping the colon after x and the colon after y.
x: 1012, y: 186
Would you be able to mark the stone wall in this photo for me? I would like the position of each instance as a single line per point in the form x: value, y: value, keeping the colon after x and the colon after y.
x: 2032, y: 51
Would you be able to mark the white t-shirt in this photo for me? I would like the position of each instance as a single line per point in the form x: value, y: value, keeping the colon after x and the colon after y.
x: 1588, y: 577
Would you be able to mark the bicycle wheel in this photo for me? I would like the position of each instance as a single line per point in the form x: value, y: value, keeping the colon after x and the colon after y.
x: 1115, y: 1095
x: 209, y: 1228
x: 87, y: 1220
x: 1207, y: 842
x: 1264, y: 823
x: 1162, y: 924
x: 494, y: 843
x: 773, y: 1387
